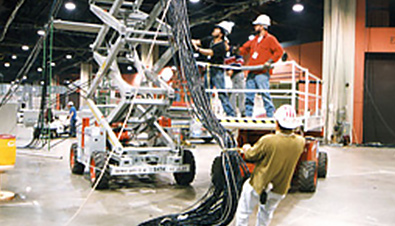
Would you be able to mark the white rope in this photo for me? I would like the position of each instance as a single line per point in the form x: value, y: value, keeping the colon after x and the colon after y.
x: 119, y: 135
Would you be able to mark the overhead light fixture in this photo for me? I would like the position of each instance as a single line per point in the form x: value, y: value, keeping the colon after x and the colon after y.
x: 70, y: 6
x: 69, y: 56
x: 39, y: 69
x: 41, y: 32
x: 14, y: 57
x: 7, y: 64
x: 298, y: 7
x: 53, y: 64
x: 25, y: 47
x: 194, y: 1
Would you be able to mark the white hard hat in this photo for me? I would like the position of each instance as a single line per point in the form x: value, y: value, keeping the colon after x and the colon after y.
x: 70, y: 103
x: 262, y: 20
x: 286, y: 117
x: 226, y: 26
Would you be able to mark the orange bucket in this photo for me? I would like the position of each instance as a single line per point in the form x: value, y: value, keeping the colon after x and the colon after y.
x: 7, y: 150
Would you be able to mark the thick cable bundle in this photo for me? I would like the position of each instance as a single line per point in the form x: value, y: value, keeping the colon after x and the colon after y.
x: 218, y: 205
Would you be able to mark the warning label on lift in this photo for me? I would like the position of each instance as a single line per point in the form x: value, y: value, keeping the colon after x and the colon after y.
x: 134, y: 170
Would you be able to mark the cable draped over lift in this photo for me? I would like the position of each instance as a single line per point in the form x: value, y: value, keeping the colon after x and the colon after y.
x: 219, y: 204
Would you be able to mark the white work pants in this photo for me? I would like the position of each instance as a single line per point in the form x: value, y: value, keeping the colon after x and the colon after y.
x: 249, y: 199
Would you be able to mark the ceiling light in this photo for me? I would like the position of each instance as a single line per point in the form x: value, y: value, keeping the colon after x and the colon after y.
x: 69, y: 56
x: 53, y: 64
x: 194, y: 1
x: 25, y: 48
x: 39, y: 69
x: 7, y: 64
x: 298, y: 7
x: 14, y: 57
x: 70, y: 6
x: 41, y: 32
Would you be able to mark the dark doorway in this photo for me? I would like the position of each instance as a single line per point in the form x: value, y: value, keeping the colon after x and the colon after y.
x: 379, y: 95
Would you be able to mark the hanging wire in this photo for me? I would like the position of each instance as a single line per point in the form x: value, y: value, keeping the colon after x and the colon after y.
x: 219, y: 204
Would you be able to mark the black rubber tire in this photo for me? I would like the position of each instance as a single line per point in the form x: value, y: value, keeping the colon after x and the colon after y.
x: 307, y: 176
x: 217, y: 174
x: 75, y: 166
x: 322, y: 164
x: 186, y: 178
x: 96, y: 165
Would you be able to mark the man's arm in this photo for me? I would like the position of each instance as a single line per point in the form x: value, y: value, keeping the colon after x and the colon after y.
x: 206, y: 52
x: 70, y: 115
x: 245, y: 49
x: 277, y: 50
x: 255, y: 153
x: 197, y: 43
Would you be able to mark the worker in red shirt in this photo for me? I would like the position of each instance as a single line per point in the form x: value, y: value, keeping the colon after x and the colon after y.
x: 264, y: 49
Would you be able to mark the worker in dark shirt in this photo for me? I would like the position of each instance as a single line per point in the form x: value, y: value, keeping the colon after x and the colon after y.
x: 214, y: 47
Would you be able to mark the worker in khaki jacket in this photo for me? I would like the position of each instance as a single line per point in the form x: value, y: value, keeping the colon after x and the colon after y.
x: 275, y: 156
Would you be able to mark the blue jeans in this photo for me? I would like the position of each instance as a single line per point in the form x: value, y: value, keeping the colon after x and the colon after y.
x: 258, y: 81
x: 217, y: 80
x: 73, y: 127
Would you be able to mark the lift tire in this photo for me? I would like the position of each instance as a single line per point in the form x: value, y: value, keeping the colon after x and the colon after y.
x: 186, y: 178
x: 96, y: 165
x: 217, y: 174
x: 307, y: 176
x: 75, y: 166
x: 322, y: 164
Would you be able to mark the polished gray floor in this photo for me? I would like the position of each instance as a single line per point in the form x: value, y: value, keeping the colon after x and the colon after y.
x: 358, y: 191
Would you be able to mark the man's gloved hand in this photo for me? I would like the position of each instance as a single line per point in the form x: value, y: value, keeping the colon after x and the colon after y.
x: 263, y: 197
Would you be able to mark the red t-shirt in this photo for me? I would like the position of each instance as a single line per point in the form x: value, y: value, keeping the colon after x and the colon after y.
x: 260, y: 52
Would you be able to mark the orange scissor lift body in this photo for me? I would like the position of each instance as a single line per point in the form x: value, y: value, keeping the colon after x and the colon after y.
x: 292, y: 84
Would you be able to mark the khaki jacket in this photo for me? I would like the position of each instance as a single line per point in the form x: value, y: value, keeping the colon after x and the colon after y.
x: 275, y: 156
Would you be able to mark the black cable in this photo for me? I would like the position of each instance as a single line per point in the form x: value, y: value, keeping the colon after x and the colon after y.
x: 219, y: 204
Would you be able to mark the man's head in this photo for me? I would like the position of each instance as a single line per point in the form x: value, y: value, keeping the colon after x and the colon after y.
x: 70, y: 104
x: 286, y: 117
x: 217, y: 33
x: 262, y: 22
x: 224, y: 28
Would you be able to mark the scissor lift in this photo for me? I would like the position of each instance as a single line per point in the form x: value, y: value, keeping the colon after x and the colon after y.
x: 129, y: 140
x: 294, y: 85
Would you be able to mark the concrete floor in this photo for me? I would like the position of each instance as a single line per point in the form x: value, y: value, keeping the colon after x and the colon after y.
x: 359, y: 190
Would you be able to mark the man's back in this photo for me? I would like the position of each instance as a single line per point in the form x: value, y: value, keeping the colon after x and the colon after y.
x: 276, y: 156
